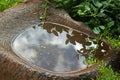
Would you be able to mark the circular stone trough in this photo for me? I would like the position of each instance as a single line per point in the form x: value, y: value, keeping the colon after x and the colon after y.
x: 53, y: 50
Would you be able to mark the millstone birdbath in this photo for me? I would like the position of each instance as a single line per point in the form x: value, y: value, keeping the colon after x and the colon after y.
x: 52, y: 50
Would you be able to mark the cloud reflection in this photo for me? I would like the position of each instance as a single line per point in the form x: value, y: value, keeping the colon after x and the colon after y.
x: 52, y: 47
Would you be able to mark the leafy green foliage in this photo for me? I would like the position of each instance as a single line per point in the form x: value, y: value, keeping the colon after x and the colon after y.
x: 4, y: 4
x: 97, y: 13
x: 114, y: 42
x: 91, y: 59
x: 45, y: 7
x: 107, y: 73
x: 102, y: 16
x: 105, y: 70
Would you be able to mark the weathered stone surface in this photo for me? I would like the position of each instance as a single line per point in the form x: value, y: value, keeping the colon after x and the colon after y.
x: 15, y: 19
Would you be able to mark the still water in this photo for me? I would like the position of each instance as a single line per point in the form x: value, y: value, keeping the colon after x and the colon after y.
x: 54, y: 47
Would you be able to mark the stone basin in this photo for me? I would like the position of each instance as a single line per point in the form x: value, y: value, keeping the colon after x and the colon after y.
x: 18, y: 64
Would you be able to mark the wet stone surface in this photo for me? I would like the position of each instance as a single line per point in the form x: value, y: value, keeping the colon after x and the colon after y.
x: 55, y: 47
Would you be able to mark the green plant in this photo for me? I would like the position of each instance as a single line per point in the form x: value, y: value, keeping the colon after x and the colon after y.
x: 105, y: 70
x: 102, y: 16
x: 4, y: 4
x: 114, y: 42
x: 91, y: 59
x: 107, y: 73
x: 45, y: 7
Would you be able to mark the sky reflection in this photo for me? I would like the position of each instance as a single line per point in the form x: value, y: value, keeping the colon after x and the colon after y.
x: 53, y: 47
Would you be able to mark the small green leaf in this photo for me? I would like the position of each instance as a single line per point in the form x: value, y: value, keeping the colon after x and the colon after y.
x: 97, y: 3
x: 3, y: 3
x: 93, y: 39
x: 42, y: 17
x: 87, y: 7
x: 96, y: 30
x: 102, y: 27
x: 101, y: 14
x: 110, y: 24
x: 80, y: 12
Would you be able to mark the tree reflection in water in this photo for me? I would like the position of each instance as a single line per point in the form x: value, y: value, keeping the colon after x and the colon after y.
x: 55, y: 47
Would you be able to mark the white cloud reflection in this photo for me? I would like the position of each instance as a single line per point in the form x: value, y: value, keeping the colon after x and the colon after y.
x: 34, y: 45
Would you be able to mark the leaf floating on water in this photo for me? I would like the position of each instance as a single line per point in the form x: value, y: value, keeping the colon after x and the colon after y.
x: 54, y: 32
